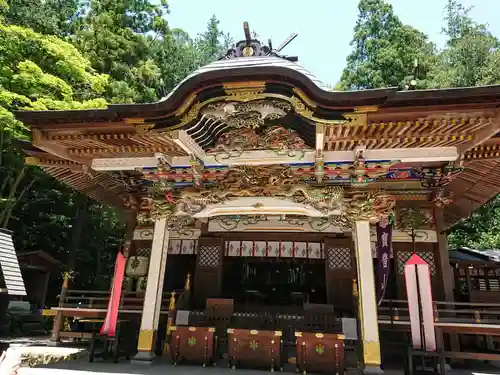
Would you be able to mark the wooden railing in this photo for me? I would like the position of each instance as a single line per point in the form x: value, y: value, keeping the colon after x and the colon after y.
x: 394, y: 311
x: 98, y: 299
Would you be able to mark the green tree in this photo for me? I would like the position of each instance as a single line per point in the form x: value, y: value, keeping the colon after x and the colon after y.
x: 471, y: 55
x: 213, y: 43
x: 40, y: 72
x: 384, y: 49
x: 50, y: 17
x: 116, y: 36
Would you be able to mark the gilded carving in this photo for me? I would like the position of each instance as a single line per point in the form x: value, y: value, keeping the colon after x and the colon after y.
x: 275, y: 138
x: 245, y: 92
x: 371, y: 206
x: 356, y: 119
x: 300, y: 108
x: 187, y: 103
x: 239, y: 181
x: 325, y: 199
x: 191, y: 114
x: 442, y: 198
x: 304, y: 97
x: 248, y: 114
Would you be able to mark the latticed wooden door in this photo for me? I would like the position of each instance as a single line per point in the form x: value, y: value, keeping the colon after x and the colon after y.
x: 429, y: 253
x: 208, y: 275
x: 340, y: 269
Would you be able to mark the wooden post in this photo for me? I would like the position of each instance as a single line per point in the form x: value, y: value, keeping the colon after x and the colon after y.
x: 154, y: 291
x: 59, y: 318
x: 444, y: 261
x: 171, y: 313
x: 368, y: 314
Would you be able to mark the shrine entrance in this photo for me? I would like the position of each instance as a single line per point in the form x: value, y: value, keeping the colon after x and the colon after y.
x: 255, y: 282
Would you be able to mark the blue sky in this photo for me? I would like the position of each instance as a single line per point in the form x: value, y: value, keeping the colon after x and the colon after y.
x: 324, y: 26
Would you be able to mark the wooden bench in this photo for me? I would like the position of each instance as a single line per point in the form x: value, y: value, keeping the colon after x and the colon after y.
x: 76, y: 335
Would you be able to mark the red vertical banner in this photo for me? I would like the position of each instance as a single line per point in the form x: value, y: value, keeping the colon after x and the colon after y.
x: 109, y: 325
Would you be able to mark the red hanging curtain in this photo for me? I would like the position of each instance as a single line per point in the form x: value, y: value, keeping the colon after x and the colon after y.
x: 109, y: 326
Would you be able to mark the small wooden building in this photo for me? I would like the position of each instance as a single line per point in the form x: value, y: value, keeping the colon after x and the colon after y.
x: 476, y: 274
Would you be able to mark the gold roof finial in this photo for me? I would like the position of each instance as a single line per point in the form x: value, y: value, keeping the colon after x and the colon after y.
x: 171, y: 305
x: 355, y: 288
x: 187, y: 285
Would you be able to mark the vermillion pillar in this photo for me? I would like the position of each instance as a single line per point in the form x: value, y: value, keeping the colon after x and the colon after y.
x: 367, y: 300
x: 154, y: 291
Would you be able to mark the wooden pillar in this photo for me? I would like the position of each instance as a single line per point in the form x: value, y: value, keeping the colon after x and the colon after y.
x: 43, y: 293
x: 446, y: 274
x: 444, y: 256
x: 59, y: 318
x: 154, y: 290
x: 368, y: 315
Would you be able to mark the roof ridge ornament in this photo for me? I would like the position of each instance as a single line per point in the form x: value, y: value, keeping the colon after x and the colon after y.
x: 250, y: 47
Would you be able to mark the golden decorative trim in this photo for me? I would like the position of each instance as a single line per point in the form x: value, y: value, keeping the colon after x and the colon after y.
x: 304, y: 97
x: 134, y: 149
x: 246, y: 94
x: 134, y: 120
x: 277, y: 333
x: 298, y: 334
x: 230, y: 330
x: 192, y: 329
x: 146, y: 338
x: 356, y: 119
x: 366, y: 108
x: 319, y: 335
x: 301, y: 108
x: 211, y: 329
x: 144, y: 128
x: 173, y: 328
x: 244, y: 85
x: 184, y: 106
x: 341, y: 337
x: 254, y: 332
x: 371, y: 353
x: 31, y: 160
x: 191, y: 114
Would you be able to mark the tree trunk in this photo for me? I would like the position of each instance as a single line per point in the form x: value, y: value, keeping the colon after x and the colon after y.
x: 77, y: 231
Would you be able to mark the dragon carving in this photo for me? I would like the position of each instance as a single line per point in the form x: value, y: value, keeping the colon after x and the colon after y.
x: 275, y: 137
x: 371, y: 206
x: 324, y: 199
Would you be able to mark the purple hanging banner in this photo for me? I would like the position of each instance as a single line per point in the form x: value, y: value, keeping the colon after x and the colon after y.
x: 384, y: 244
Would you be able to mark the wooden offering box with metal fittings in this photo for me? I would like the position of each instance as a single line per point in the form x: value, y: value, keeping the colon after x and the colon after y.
x: 193, y: 344
x: 320, y: 352
x: 257, y: 348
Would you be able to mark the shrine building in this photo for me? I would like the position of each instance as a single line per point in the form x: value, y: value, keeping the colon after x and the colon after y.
x: 269, y: 189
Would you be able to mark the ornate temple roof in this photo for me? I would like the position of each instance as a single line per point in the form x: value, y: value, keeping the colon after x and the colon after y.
x: 254, y: 63
x: 255, y: 107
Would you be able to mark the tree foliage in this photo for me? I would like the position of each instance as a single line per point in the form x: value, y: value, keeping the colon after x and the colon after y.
x: 74, y: 55
x: 384, y: 49
x: 383, y: 53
